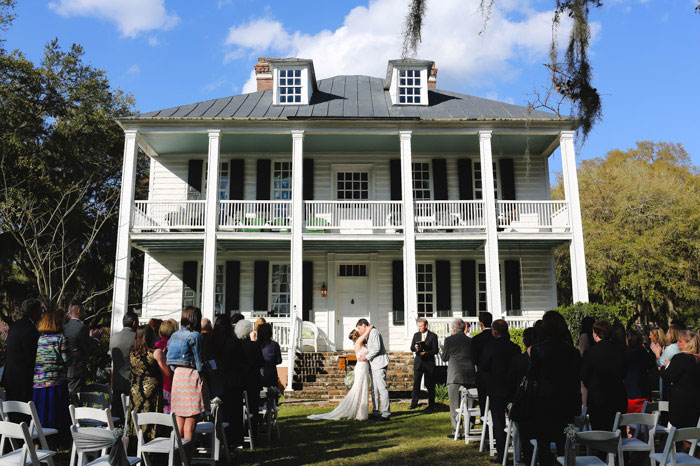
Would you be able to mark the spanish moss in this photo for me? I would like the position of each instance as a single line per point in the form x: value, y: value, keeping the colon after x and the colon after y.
x: 413, y: 27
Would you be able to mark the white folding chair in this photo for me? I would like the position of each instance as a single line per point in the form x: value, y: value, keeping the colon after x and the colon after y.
x: 26, y: 454
x: 465, y: 413
x: 512, y: 435
x: 163, y: 445
x: 248, y: 421
x: 637, y: 421
x: 36, y: 431
x: 268, y: 412
x: 215, y: 430
x: 596, y: 440
x: 670, y: 456
x: 487, y: 426
x: 90, y: 439
x: 125, y: 407
x: 89, y: 417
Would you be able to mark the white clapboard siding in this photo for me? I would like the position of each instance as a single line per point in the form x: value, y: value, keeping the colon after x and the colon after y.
x: 168, y: 178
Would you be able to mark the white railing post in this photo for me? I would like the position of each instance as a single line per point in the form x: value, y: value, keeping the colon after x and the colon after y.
x: 493, y: 280
x: 296, y: 253
x: 210, y: 223
x: 409, y: 243
x: 120, y: 296
x: 578, y: 257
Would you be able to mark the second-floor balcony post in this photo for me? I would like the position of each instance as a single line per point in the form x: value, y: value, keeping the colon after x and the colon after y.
x: 210, y: 223
x: 409, y: 244
x: 493, y: 280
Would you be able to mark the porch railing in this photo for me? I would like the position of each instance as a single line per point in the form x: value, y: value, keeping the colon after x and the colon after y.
x: 356, y: 217
x: 533, y: 216
x: 164, y: 216
x: 255, y: 216
x: 280, y: 331
x: 449, y: 215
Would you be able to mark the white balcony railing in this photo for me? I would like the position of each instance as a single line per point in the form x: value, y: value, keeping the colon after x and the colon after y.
x: 255, y: 216
x: 533, y: 216
x: 165, y: 216
x: 356, y: 217
x: 449, y: 215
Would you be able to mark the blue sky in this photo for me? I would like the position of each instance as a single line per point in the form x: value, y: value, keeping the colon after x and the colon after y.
x: 645, y: 54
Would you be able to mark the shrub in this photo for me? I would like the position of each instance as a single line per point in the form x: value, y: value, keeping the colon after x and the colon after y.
x: 441, y: 393
x: 575, y: 313
x: 516, y: 336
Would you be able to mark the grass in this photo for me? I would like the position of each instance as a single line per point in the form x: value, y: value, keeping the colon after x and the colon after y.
x: 412, y: 437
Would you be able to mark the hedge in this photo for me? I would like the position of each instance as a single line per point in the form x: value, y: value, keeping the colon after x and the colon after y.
x: 575, y: 313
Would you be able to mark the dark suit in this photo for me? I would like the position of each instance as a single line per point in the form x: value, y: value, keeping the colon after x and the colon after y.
x: 18, y: 376
x: 424, y: 365
x: 120, y: 348
x: 478, y: 343
x: 250, y: 366
x: 81, y: 345
x: 603, y: 373
x: 495, y: 365
x: 457, y: 353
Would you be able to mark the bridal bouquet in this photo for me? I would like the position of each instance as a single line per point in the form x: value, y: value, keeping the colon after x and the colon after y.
x: 349, y: 380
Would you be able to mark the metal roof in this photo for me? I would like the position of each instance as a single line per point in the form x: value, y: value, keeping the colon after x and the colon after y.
x: 351, y: 97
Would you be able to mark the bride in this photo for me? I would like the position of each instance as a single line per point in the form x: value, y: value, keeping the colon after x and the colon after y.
x: 354, y: 405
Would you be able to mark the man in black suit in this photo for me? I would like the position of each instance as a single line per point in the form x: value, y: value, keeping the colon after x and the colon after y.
x: 457, y: 353
x: 424, y: 363
x: 22, y: 338
x: 495, y: 365
x: 478, y: 343
x: 81, y: 342
x: 519, y: 368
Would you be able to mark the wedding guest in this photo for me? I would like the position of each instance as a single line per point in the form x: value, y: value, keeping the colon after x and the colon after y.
x: 424, y: 363
x: 207, y: 339
x: 231, y: 360
x: 519, y: 368
x: 50, y: 375
x: 641, y: 370
x: 166, y: 330
x: 554, y: 368
x: 618, y: 335
x: 250, y: 367
x: 467, y: 329
x: 457, y: 353
x: 120, y: 348
x: 20, y: 352
x: 222, y: 332
x: 155, y: 325
x: 683, y: 377
x: 603, y: 373
x: 271, y: 353
x: 478, y: 343
x: 585, y: 340
x: 259, y: 322
x: 495, y: 364
x: 189, y: 396
x: 237, y: 317
x: 82, y: 342
x: 666, y: 354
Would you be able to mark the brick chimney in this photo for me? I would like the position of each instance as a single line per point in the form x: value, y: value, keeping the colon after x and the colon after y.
x: 263, y: 74
x: 432, y: 79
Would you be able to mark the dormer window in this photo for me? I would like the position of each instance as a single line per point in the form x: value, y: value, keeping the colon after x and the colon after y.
x: 294, y: 81
x: 409, y: 87
x: 290, y: 86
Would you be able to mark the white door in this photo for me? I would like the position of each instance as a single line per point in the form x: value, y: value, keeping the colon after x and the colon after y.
x: 352, y: 301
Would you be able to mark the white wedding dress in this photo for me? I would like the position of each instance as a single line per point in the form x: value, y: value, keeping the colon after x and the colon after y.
x: 354, y: 405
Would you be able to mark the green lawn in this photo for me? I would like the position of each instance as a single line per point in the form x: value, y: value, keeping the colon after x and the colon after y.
x: 411, y: 437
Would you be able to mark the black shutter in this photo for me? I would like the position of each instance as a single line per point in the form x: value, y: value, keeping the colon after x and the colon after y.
x: 443, y: 289
x: 189, y: 283
x: 236, y: 179
x: 260, y: 285
x: 466, y: 183
x: 439, y: 179
x: 233, y: 287
x: 263, y: 180
x: 512, y: 273
x: 307, y: 302
x: 469, y: 288
x: 395, y: 179
x: 397, y: 295
x: 194, y: 176
x: 507, y: 179
x: 308, y: 180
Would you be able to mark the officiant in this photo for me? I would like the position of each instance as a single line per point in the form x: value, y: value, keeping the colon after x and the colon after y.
x: 425, y: 347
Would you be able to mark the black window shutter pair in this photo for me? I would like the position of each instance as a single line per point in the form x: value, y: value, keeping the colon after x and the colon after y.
x: 442, y: 290
x: 264, y: 176
x: 236, y: 177
x: 439, y: 179
x: 466, y: 181
x: 231, y: 287
x: 512, y: 286
x: 261, y: 272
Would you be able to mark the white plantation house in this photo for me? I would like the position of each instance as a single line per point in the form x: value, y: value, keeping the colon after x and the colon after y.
x: 314, y: 203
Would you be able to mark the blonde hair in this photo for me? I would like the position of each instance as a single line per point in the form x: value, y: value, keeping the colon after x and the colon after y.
x: 259, y: 322
x: 693, y: 342
x: 354, y: 335
x: 675, y: 334
x: 659, y: 334
x: 167, y: 328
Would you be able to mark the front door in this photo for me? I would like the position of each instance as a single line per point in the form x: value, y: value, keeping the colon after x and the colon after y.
x: 352, y: 300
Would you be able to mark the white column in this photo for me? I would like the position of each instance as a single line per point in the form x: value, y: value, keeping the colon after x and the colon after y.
x: 579, y: 284
x: 493, y: 278
x: 211, y: 216
x: 296, y: 253
x: 120, y: 297
x: 410, y: 297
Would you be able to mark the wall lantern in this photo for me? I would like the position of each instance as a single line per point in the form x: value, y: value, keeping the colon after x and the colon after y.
x: 324, y: 290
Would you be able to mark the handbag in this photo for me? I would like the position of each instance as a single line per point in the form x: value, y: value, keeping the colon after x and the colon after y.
x: 522, y: 407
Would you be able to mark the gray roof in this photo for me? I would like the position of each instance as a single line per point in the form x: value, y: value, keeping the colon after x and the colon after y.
x: 350, y: 97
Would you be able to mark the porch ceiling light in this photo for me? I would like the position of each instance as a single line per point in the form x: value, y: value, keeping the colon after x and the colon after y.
x: 324, y: 290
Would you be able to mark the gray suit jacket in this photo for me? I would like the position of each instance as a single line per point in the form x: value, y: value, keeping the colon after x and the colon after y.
x: 376, y: 354
x: 81, y: 345
x: 457, y: 352
x: 119, y: 348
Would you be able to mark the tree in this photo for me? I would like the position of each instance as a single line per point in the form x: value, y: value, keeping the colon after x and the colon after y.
x: 641, y: 226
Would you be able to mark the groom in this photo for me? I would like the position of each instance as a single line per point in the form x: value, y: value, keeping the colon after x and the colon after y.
x: 378, y: 361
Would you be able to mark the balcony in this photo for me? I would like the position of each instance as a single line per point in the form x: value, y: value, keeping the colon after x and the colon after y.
x: 168, y: 216
x: 353, y: 217
x: 443, y: 216
x: 533, y: 216
x: 255, y: 216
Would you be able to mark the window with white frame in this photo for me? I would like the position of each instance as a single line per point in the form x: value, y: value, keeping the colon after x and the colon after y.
x: 421, y: 181
x: 352, y: 270
x: 478, y: 183
x: 352, y: 185
x: 425, y: 286
x: 223, y: 183
x: 281, y: 180
x: 289, y: 86
x: 279, y: 290
x: 409, y: 87
x: 194, y: 297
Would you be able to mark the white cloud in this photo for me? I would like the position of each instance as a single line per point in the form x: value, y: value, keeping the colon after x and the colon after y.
x: 133, y: 70
x: 517, y: 35
x: 131, y: 16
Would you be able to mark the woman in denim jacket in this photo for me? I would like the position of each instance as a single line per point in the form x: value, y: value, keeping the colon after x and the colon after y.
x: 189, y: 396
